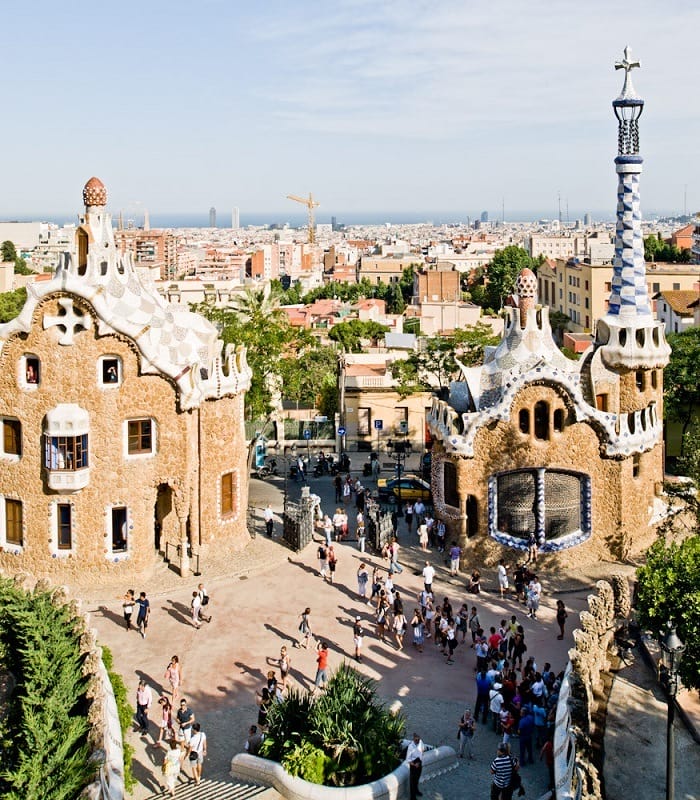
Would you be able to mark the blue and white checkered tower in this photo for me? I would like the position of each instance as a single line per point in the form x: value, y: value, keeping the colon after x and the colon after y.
x: 629, y: 336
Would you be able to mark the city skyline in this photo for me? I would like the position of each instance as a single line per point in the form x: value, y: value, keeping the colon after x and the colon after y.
x: 377, y: 108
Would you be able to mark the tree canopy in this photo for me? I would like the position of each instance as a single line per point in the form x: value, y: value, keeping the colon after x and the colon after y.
x: 497, y: 281
x: 9, y: 253
x: 669, y: 591
x: 286, y: 361
x: 655, y: 249
x: 435, y: 366
x: 350, y: 335
x: 11, y: 303
x: 682, y: 378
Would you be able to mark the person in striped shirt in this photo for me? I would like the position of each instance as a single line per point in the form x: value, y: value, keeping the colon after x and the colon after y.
x: 502, y: 771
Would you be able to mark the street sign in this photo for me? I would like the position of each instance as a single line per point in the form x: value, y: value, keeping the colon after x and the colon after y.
x: 378, y: 424
x: 307, y: 434
x: 341, y: 431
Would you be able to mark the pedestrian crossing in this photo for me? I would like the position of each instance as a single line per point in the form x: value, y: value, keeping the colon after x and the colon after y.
x: 212, y: 789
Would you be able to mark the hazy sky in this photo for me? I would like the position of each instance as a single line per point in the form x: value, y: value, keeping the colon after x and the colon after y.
x: 435, y: 105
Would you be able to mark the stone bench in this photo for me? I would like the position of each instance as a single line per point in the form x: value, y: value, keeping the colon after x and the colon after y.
x: 394, y: 786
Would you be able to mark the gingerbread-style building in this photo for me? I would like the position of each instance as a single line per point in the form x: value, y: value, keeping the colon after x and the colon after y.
x: 123, y: 437
x: 532, y: 442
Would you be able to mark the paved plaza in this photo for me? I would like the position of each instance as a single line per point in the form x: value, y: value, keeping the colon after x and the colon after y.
x: 257, y: 597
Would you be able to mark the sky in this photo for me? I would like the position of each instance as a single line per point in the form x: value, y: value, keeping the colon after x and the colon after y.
x: 448, y: 106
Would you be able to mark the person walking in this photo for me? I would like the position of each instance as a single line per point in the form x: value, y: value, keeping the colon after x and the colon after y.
x: 362, y: 581
x: 204, y: 602
x: 483, y: 687
x: 172, y: 763
x: 394, y: 556
x: 451, y: 641
x: 143, y: 614
x: 561, y: 618
x: 502, y: 771
x: 502, y: 574
x: 195, y: 608
x: 173, y: 675
x: 128, y: 603
x: 399, y: 626
x: 321, y: 666
x: 473, y: 624
x: 185, y: 719
x: 338, y: 524
x: 361, y: 534
x: 418, y: 627
x: 144, y: 698
x: 466, y: 730
x: 197, y: 752
x: 285, y: 664
x: 357, y: 634
x: 408, y: 514
x: 322, y: 555
x: 338, y: 486
x: 165, y: 728
x: 428, y: 576
x: 332, y: 563
x: 534, y: 592
x: 526, y: 730
x: 414, y: 759
x: 423, y: 536
x: 269, y: 518
x: 305, y: 628
x: 531, y: 548
x: 455, y: 555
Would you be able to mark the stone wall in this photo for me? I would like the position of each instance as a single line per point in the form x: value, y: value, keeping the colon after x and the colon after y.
x: 621, y: 505
x: 179, y: 481
x: 576, y: 770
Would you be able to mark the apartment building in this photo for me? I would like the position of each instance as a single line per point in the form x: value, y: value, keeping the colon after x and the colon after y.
x: 152, y: 249
x: 581, y: 290
x: 385, y: 269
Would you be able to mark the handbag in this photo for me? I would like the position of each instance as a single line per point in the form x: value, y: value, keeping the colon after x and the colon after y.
x: 193, y: 755
x: 205, y: 600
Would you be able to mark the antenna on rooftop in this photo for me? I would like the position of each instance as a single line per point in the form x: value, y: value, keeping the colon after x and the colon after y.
x: 559, y: 201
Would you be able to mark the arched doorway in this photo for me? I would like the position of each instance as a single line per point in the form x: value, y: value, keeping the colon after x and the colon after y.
x: 472, y: 511
x: 163, y: 514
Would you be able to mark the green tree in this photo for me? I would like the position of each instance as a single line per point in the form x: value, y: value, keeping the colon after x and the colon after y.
x: 502, y: 272
x: 8, y: 250
x: 682, y: 378
x: 11, y: 303
x: 669, y: 591
x: 559, y: 323
x: 349, y: 335
x: 9, y: 253
x: 434, y: 365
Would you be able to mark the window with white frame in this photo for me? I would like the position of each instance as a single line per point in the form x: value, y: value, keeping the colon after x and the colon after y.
x: 140, y: 437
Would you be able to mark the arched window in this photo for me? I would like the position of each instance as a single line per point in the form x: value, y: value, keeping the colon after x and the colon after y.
x: 541, y: 420
x: 558, y: 420
x: 524, y: 420
x: 450, y: 484
x: 555, y: 505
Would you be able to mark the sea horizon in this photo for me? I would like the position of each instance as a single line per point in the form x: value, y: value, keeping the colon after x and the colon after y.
x: 294, y: 220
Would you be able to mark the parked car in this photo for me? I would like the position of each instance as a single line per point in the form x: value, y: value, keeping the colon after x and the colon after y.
x: 412, y: 488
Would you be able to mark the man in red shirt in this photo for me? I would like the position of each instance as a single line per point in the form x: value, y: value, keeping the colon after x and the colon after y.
x: 494, y: 640
x: 322, y: 666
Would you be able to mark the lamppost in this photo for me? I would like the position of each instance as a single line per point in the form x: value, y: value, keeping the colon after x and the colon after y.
x: 399, y: 449
x: 672, y: 649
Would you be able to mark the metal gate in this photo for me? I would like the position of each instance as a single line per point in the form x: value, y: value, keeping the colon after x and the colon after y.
x: 298, y: 522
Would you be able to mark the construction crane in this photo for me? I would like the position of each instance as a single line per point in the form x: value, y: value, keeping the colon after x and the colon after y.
x: 310, y: 204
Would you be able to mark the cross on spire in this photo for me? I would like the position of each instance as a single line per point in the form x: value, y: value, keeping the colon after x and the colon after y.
x: 628, y: 64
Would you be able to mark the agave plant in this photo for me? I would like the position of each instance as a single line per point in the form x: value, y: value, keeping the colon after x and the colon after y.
x: 346, y: 734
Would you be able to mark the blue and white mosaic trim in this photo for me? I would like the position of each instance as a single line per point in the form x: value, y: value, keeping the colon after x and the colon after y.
x: 629, y: 295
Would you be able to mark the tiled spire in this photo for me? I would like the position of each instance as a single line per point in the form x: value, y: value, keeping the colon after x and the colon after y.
x: 630, y: 336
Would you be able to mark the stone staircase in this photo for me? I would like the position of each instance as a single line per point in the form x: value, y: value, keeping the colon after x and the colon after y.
x: 217, y: 789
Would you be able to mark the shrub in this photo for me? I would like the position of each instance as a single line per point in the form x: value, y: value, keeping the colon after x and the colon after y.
x: 344, y: 737
x: 45, y: 750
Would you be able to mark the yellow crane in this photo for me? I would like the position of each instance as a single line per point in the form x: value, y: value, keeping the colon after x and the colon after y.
x: 310, y: 204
